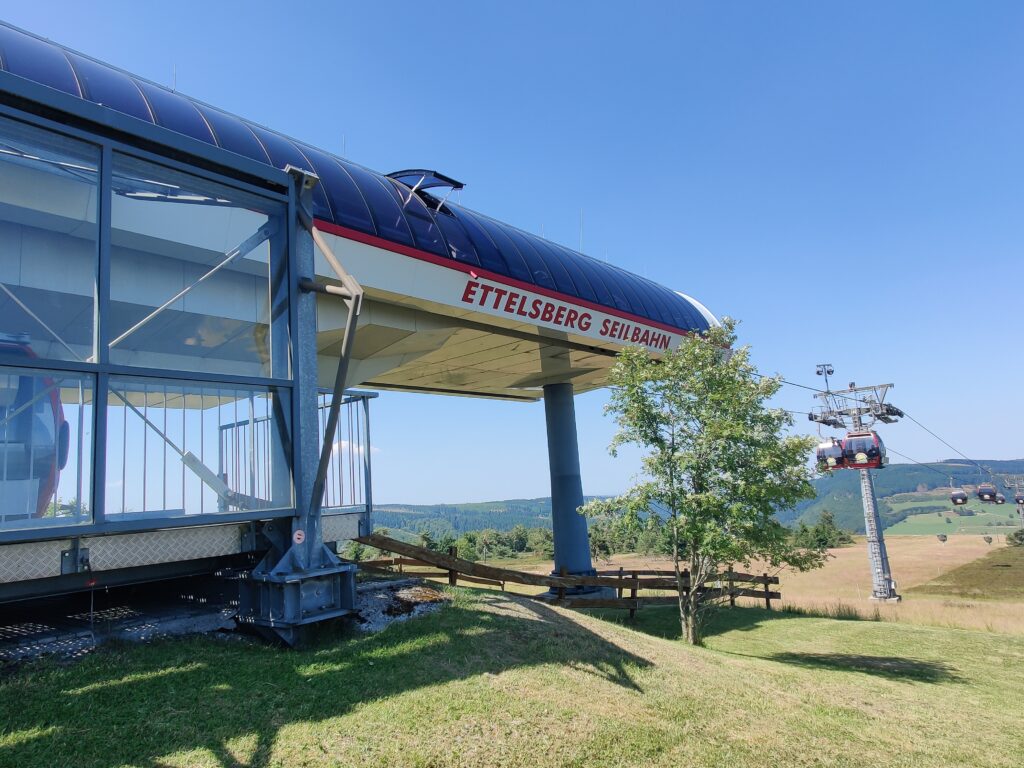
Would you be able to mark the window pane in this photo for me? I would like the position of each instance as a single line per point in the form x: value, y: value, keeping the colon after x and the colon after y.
x: 190, y: 274
x: 176, y: 112
x: 349, y: 208
x: 486, y: 250
x: 110, y: 88
x: 35, y: 60
x: 387, y: 215
x: 48, y: 196
x: 45, y: 448
x: 539, y: 274
x: 428, y: 236
x: 184, y: 448
x: 233, y: 135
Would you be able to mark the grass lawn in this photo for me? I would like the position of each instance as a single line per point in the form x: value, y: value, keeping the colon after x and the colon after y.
x: 495, y: 680
x: 988, y: 519
x: 998, y: 576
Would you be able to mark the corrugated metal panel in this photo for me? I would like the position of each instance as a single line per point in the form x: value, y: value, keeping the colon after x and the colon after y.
x: 170, y: 546
x: 32, y: 560
x: 340, y: 527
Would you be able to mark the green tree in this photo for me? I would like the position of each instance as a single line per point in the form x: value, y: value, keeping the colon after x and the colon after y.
x: 716, y: 463
x: 518, y: 538
x: 355, y: 552
x: 541, y: 542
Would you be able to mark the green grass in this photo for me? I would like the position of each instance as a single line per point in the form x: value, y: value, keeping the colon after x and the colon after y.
x: 997, y: 576
x: 988, y: 519
x: 497, y: 681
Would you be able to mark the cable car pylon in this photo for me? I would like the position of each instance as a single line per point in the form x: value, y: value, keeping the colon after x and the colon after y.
x: 858, y: 409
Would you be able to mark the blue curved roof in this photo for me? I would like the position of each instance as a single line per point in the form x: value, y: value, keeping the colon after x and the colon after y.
x: 354, y: 197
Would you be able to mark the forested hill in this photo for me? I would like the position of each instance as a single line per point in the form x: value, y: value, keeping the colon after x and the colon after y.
x: 440, y: 519
x: 840, y: 492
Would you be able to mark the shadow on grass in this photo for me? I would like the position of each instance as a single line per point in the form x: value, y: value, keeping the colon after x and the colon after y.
x: 663, y: 620
x: 137, y: 704
x: 893, y: 667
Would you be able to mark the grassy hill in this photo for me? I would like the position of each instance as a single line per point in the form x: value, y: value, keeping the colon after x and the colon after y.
x: 495, y: 680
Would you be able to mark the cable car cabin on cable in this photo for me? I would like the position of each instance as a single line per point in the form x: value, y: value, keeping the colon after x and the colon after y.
x: 987, y: 493
x: 959, y: 498
x: 830, y: 455
x: 34, y: 437
x: 864, y: 450
x: 1018, y: 497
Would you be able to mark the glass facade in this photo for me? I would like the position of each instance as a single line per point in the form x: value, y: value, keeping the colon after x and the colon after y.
x: 46, y: 422
x: 190, y: 273
x: 49, y: 192
x: 166, y: 330
x: 161, y: 434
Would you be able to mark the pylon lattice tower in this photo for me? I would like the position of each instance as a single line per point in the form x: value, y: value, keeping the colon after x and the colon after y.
x: 858, y: 409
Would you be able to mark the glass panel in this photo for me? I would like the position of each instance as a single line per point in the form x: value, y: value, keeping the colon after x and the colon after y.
x: 110, y: 88
x: 175, y: 112
x: 488, y: 253
x: 594, y: 271
x: 652, y: 297
x: 179, y: 448
x: 517, y: 266
x: 48, y: 195
x: 559, y: 270
x: 387, y: 215
x: 283, y: 153
x: 539, y: 274
x: 624, y: 281
x: 428, y: 236
x: 45, y: 448
x: 190, y: 274
x: 233, y: 135
x: 459, y: 245
x: 346, y: 201
x: 36, y: 60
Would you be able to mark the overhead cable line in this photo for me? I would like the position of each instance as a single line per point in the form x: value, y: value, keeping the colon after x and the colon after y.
x: 890, y: 449
x: 985, y: 470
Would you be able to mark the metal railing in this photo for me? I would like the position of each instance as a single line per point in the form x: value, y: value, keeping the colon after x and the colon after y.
x: 349, y: 475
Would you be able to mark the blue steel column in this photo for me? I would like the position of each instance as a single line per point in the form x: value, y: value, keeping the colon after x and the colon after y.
x: 572, y: 543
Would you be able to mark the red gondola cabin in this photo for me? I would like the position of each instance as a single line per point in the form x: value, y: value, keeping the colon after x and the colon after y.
x: 34, y: 437
x: 864, y: 450
x: 830, y: 455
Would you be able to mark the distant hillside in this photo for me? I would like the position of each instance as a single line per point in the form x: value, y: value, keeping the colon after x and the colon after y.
x: 440, y: 519
x: 903, y: 490
x: 840, y: 492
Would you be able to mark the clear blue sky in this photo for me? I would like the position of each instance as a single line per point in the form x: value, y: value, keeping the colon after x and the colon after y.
x: 846, y: 180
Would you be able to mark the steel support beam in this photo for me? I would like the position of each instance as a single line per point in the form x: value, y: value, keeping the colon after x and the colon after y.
x: 301, y: 581
x: 572, y: 542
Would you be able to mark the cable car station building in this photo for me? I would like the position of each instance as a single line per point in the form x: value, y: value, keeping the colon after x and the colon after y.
x: 190, y: 303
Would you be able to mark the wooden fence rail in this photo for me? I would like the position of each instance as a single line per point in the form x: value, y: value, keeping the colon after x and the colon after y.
x: 454, y: 568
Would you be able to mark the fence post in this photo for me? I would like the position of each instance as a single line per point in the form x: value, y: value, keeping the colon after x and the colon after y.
x: 767, y: 593
x: 453, y: 576
x: 732, y: 594
x: 632, y: 595
x: 621, y: 589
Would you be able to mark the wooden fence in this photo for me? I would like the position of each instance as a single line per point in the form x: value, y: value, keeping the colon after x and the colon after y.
x: 627, y: 584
